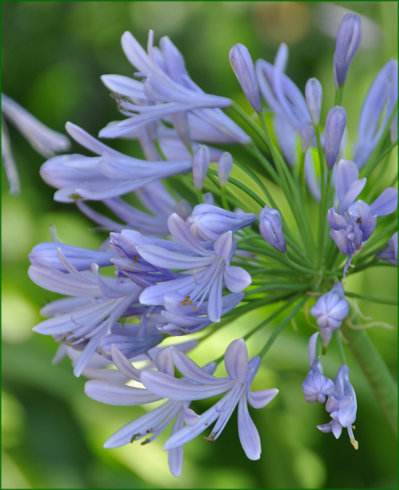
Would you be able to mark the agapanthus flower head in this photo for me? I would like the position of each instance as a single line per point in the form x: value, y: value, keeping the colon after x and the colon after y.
x: 201, y: 385
x: 342, y: 407
x: 270, y: 228
x: 243, y: 67
x: 348, y: 40
x: 329, y: 311
x: 335, y: 127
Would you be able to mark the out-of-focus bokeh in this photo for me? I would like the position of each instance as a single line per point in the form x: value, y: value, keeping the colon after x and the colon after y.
x: 53, y: 54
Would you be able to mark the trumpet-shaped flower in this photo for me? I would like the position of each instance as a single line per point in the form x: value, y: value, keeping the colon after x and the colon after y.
x: 342, y: 407
x: 166, y: 93
x: 198, y: 384
x: 153, y: 422
x: 207, y: 270
x: 329, y: 311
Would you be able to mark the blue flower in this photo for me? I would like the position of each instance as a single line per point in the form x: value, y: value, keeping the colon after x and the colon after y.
x: 109, y: 174
x: 95, y: 305
x: 166, y: 93
x: 208, y: 222
x: 342, y: 407
x: 353, y: 222
x: 207, y: 270
x: 153, y: 422
x: 329, y: 311
x: 199, y: 385
x: 316, y: 386
x: 285, y: 100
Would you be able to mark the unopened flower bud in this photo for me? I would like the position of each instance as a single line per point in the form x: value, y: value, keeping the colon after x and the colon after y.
x: 270, y: 228
x: 335, y: 127
x: 243, y: 67
x: 225, y: 165
x: 348, y: 39
x: 313, y: 94
x: 201, y: 161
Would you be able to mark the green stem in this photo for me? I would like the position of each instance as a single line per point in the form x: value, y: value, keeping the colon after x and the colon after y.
x: 375, y: 371
x: 339, y: 95
x: 373, y: 299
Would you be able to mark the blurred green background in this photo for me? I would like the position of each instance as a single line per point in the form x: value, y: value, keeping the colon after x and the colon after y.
x: 53, y: 54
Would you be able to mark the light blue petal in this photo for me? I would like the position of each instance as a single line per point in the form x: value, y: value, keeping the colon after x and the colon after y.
x: 179, y: 389
x: 166, y: 259
x: 236, y: 360
x: 236, y: 278
x: 259, y: 399
x: 386, y: 203
x: 191, y: 370
x: 247, y: 432
x: 112, y: 394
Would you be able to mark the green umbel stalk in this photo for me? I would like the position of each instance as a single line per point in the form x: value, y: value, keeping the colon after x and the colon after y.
x: 375, y: 371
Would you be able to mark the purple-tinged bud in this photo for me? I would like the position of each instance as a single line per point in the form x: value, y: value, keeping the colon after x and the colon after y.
x: 313, y: 94
x: 225, y: 165
x: 243, y: 67
x: 329, y: 311
x: 270, y: 228
x: 348, y: 39
x: 335, y: 127
x: 201, y: 161
x: 316, y: 387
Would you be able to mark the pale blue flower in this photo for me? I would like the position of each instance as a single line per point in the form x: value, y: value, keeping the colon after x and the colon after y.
x: 284, y: 97
x: 107, y: 175
x: 207, y: 270
x: 198, y: 384
x: 166, y: 92
x: 316, y: 386
x: 208, y: 222
x: 153, y: 423
x: 342, y: 407
x: 329, y: 311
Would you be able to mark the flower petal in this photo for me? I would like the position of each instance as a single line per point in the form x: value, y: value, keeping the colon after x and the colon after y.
x: 247, y: 431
